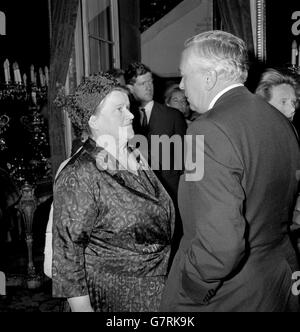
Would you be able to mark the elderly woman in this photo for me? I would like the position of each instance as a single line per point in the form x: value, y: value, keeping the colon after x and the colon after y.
x: 112, y: 220
x: 280, y: 91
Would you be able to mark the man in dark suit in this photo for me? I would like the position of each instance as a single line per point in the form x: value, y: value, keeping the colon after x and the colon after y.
x: 156, y: 121
x: 235, y: 254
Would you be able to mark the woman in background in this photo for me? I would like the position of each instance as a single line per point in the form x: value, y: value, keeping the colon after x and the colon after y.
x: 279, y: 90
x: 175, y: 98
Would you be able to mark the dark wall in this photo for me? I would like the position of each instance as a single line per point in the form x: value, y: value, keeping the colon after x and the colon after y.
x: 27, y: 34
x: 130, y: 36
x: 279, y: 31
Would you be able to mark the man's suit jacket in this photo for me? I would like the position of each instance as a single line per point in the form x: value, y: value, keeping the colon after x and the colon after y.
x: 167, y: 121
x: 235, y: 254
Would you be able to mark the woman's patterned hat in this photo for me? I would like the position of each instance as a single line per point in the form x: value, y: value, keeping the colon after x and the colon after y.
x: 87, y: 97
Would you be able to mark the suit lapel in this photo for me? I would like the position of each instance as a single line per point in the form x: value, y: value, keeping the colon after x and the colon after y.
x: 153, y: 118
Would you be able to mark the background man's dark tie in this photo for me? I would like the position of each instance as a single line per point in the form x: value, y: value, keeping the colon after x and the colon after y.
x: 144, y: 121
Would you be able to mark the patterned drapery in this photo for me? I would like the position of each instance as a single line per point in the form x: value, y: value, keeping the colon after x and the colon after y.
x: 63, y: 22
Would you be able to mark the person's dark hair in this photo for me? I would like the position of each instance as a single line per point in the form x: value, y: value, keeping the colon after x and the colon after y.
x: 134, y: 70
x: 270, y: 79
x: 116, y: 72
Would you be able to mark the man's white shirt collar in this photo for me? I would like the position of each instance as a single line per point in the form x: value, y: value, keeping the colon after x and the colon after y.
x: 148, y: 109
x: 221, y: 93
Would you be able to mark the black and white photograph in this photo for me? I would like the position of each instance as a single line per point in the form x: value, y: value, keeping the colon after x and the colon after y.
x: 149, y: 158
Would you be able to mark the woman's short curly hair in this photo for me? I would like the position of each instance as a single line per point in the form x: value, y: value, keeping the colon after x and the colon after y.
x: 87, y: 97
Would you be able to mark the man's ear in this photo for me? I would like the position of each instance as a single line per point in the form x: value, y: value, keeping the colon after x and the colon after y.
x: 211, y: 79
x: 130, y: 87
x: 92, y: 122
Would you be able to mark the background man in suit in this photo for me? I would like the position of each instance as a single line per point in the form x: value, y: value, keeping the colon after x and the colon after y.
x: 154, y: 119
x: 235, y: 254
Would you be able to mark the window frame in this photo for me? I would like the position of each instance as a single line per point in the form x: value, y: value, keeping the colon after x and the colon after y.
x: 115, y: 42
x: 81, y: 55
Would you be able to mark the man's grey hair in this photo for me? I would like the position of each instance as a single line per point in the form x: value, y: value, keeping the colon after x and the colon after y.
x: 222, y: 52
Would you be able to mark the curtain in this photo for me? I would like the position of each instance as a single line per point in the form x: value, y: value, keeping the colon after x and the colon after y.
x: 63, y: 16
x: 236, y: 19
x: 130, y: 35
